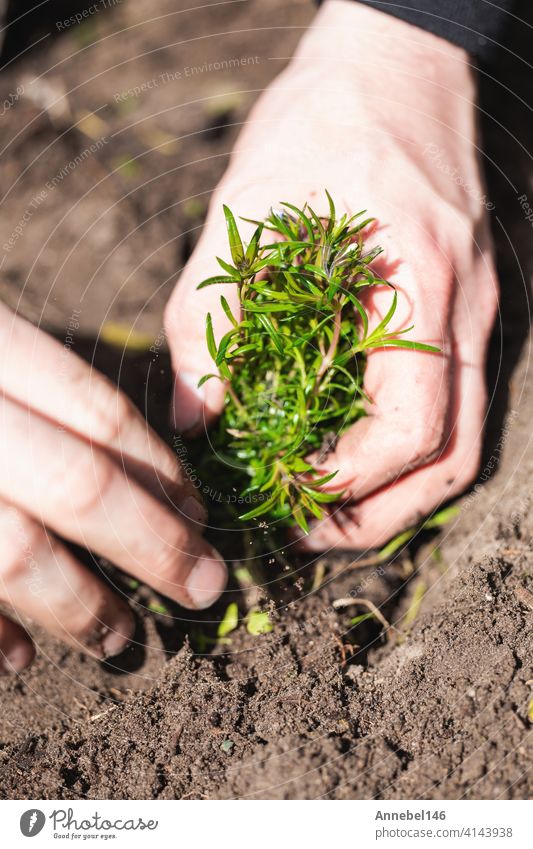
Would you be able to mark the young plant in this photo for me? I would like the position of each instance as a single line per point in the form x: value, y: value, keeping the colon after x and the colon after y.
x: 293, y: 361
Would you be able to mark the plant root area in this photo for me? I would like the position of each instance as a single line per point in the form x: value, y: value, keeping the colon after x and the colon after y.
x: 436, y: 705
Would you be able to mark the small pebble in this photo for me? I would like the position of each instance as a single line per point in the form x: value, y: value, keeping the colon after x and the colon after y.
x: 227, y: 746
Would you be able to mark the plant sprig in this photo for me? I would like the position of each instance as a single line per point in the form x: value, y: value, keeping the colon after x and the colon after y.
x: 293, y: 359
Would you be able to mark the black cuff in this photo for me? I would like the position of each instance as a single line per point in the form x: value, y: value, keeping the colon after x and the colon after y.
x: 476, y: 25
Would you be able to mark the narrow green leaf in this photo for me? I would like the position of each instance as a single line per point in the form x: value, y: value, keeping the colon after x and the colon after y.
x: 403, y: 343
x: 321, y: 481
x: 363, y: 617
x: 332, y: 212
x: 205, y: 378
x: 323, y: 497
x: 225, y: 342
x: 229, y: 269
x: 442, y: 517
x: 299, y: 465
x: 303, y: 218
x: 235, y: 241
x: 214, y: 281
x: 267, y: 307
x: 277, y: 339
x: 384, y: 322
x: 225, y: 371
x: 396, y: 543
x: 227, y: 309
x: 253, y: 246
x: 243, y: 349
x: 309, y: 503
x: 299, y: 518
x: 230, y: 621
x: 210, y: 337
x: 262, y: 508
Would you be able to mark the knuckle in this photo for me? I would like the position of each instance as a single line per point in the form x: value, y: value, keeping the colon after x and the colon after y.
x: 77, y: 620
x: 431, y: 442
x: 100, y: 410
x: 82, y: 618
x: 112, y: 414
x: 167, y: 566
x: 426, y: 442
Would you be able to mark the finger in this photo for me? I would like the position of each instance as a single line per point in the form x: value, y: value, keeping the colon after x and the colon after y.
x: 40, y: 578
x: 387, y: 512
x: 16, y: 647
x: 39, y: 372
x: 78, y: 491
x: 410, y: 398
x: 195, y: 408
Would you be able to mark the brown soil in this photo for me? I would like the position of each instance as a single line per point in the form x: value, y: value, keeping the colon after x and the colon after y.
x: 441, y: 709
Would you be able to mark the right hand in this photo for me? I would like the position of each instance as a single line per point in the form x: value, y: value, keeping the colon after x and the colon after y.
x: 78, y: 461
x: 362, y: 109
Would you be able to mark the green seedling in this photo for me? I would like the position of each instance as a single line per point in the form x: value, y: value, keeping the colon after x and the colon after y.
x: 398, y: 543
x: 414, y: 608
x: 230, y: 621
x: 438, y: 520
x: 294, y: 357
x: 363, y: 617
x: 258, y: 622
x: 157, y: 607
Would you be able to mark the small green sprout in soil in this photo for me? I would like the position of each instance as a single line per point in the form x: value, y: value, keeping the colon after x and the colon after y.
x: 157, y: 607
x: 230, y: 620
x: 258, y: 622
x: 399, y: 543
x: 363, y: 617
x: 293, y: 361
x: 411, y: 614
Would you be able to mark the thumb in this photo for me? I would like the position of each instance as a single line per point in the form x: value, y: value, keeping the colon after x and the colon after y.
x: 194, y: 408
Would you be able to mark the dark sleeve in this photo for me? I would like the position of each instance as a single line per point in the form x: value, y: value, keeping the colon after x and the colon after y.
x: 477, y: 25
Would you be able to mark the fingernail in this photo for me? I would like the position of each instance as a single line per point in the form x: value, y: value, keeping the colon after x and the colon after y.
x: 207, y: 580
x: 17, y: 658
x: 193, y: 510
x: 118, y: 634
x: 188, y: 402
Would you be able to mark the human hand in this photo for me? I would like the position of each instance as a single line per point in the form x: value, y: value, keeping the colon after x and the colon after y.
x: 381, y: 114
x: 78, y: 460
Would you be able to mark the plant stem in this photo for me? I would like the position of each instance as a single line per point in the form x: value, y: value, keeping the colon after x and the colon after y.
x: 332, y: 350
